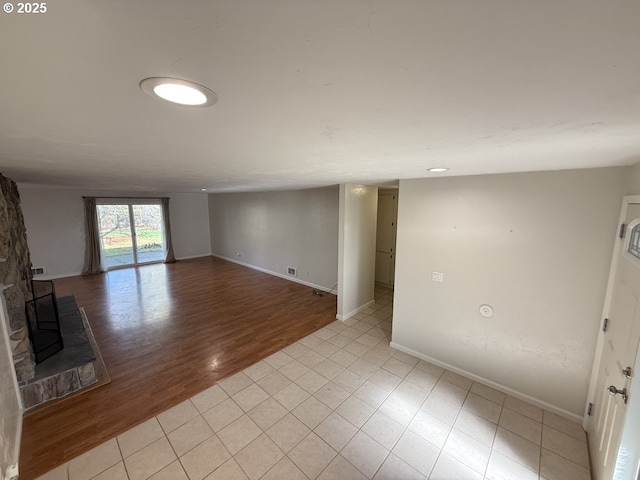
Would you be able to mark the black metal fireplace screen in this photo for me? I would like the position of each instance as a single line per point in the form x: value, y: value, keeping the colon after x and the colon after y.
x: 43, y: 320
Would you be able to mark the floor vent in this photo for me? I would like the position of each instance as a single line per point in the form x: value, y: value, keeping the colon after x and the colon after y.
x: 38, y: 270
x: 292, y: 271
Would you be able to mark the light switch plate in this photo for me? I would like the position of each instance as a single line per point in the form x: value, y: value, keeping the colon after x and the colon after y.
x: 437, y: 276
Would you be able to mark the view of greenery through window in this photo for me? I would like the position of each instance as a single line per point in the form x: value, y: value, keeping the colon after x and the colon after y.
x: 117, y: 236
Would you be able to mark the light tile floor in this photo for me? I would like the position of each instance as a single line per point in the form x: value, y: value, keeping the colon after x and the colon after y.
x: 342, y: 404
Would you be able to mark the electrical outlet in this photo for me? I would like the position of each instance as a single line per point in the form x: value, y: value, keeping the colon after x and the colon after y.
x: 238, y: 254
x: 437, y: 277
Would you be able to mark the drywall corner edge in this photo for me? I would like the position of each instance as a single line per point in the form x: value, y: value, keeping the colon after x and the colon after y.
x: 347, y: 316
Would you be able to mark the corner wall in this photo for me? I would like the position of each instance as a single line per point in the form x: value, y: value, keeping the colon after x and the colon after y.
x: 357, y: 254
x: 537, y: 248
x: 274, y: 230
x: 55, y: 223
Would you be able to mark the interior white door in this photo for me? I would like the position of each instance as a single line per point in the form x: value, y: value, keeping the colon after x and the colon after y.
x: 615, y: 373
x: 386, y: 238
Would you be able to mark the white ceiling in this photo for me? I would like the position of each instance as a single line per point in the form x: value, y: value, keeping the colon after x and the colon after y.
x: 316, y: 92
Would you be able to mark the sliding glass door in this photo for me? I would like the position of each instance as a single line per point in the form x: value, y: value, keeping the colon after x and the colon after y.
x: 131, y: 233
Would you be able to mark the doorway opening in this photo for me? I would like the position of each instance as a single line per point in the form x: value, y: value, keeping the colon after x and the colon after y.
x: 131, y: 233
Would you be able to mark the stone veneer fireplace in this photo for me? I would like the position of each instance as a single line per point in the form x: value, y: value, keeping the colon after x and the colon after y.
x: 15, y: 277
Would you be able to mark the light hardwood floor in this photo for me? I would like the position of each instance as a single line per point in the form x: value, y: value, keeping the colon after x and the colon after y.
x: 167, y: 332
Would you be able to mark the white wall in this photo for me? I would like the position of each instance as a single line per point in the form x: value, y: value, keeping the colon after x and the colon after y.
x: 535, y: 246
x: 276, y: 230
x: 55, y: 223
x: 357, y: 254
x: 633, y: 180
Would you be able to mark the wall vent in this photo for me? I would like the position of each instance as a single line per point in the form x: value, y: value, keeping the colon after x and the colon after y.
x: 38, y: 270
x: 292, y: 271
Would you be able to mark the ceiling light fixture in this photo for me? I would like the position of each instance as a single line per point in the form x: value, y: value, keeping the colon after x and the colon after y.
x: 179, y: 91
x: 437, y: 169
x: 203, y: 189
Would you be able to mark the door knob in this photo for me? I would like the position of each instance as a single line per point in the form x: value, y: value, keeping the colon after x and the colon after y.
x: 623, y: 393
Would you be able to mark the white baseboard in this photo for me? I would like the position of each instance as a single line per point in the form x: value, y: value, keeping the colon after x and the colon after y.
x: 535, y: 401
x: 189, y: 257
x: 276, y: 274
x: 347, y: 316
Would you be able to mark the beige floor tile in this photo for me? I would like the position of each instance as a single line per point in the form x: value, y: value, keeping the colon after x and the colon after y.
x: 95, y: 461
x: 521, y: 425
x: 523, y: 408
x: 355, y: 348
x: 385, y: 379
x: 58, y: 473
x: 177, y: 416
x: 293, y: 370
x: 355, y: 411
x: 458, y: 380
x: 285, y: 469
x: 488, y: 393
x: 476, y: 427
x: 503, y: 468
x: 311, y: 412
x: 517, y: 448
x: 341, y: 469
x: 328, y: 369
x: 383, y: 429
x: 209, y: 398
x: 273, y: 382
x: 222, y: 414
x: 235, y: 383
x: 399, y: 410
x: 117, y: 472
x: 239, y: 433
x: 336, y: 431
x: 482, y: 407
x: 371, y: 394
x: 565, y: 445
x: 267, y: 413
x: 331, y: 395
x: 326, y: 349
x: 465, y: 449
x: 229, y: 470
x: 258, y: 370
x: 432, y: 429
x: 362, y: 326
x: 430, y: 368
x: 555, y: 467
x: 280, y: 359
x: 367, y: 340
x: 394, y: 468
x: 406, y: 358
x: 205, y: 458
x: 342, y: 357
x: 365, y: 454
x: 363, y: 368
x: 249, y: 397
x: 291, y: 396
x: 312, y: 455
x: 397, y: 367
x: 173, y: 471
x: 417, y: 452
x: 452, y: 393
x: 288, y: 432
x: 311, y: 341
x: 448, y: 468
x: 189, y: 435
x: 259, y: 457
x: 324, y: 333
x: 441, y: 408
x: 139, y: 437
x: 377, y: 357
x: 150, y: 460
x: 410, y: 393
x: 311, y: 358
x: 311, y: 381
x: 339, y: 341
x: 295, y: 350
x: 348, y: 380
x: 565, y: 426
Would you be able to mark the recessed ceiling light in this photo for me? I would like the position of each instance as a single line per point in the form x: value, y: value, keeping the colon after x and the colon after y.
x: 437, y: 169
x: 179, y: 91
